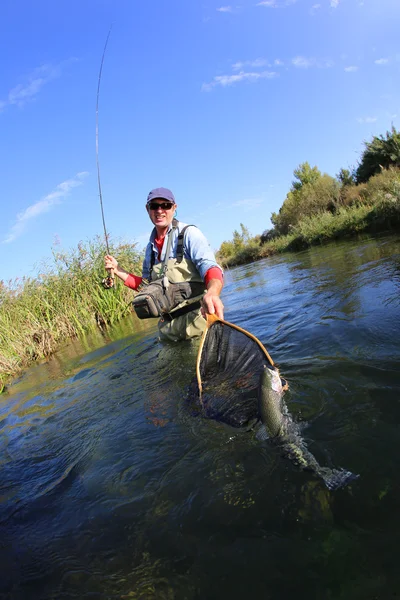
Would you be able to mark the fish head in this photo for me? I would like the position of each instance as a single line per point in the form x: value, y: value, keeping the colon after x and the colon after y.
x: 270, y: 379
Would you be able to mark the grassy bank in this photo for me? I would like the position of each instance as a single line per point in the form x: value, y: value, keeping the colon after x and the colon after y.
x: 370, y: 207
x: 64, y: 300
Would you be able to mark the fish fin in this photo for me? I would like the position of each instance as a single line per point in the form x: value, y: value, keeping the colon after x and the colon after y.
x: 251, y: 424
x: 337, y: 478
x: 262, y: 433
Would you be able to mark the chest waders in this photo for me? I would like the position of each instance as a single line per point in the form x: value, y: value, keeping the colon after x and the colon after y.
x: 184, y: 320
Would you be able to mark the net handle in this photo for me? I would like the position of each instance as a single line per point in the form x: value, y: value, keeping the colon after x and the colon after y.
x: 213, y: 319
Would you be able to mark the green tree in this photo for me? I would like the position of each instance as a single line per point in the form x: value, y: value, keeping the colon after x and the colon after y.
x: 283, y: 220
x: 288, y: 213
x: 239, y: 242
x: 312, y: 193
x: 380, y: 153
x: 305, y: 174
x: 346, y: 177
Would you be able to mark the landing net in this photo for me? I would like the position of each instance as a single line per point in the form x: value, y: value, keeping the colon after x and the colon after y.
x: 230, y: 361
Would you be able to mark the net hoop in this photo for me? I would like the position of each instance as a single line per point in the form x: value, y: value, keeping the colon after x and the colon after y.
x: 211, y: 319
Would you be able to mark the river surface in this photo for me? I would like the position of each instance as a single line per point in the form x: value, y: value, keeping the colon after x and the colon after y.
x: 111, y: 486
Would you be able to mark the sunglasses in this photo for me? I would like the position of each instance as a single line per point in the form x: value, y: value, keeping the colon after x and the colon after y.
x: 162, y: 205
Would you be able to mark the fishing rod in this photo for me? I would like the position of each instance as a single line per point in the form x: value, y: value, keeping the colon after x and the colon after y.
x: 108, y: 282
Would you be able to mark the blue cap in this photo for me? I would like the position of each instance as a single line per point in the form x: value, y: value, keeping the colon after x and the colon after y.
x: 163, y: 193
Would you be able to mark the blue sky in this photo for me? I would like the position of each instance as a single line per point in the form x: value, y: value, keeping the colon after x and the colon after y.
x: 219, y: 102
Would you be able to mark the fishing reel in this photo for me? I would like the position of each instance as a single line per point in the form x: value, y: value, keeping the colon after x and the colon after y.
x: 108, y: 282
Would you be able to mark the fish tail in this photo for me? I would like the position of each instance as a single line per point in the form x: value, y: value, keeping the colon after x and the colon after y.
x: 337, y: 478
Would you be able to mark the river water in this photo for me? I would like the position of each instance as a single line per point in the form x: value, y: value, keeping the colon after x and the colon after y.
x: 111, y: 486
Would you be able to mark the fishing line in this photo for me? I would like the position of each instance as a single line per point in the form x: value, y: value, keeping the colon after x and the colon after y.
x: 108, y: 282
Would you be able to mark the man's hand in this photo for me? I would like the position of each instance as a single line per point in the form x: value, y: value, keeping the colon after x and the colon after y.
x: 212, y: 303
x: 111, y: 264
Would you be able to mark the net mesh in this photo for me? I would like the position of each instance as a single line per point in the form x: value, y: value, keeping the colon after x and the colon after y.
x: 229, y: 363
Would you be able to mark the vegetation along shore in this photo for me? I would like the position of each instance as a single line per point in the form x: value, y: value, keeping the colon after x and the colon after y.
x: 66, y: 299
x: 320, y: 208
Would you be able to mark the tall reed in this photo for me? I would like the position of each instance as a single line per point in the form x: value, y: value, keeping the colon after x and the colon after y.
x: 66, y: 299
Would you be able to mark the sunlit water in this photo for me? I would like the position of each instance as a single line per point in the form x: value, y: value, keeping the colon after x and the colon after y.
x: 112, y: 486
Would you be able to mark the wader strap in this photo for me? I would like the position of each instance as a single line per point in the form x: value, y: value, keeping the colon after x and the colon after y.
x: 152, y: 258
x: 179, y: 248
x: 181, y: 311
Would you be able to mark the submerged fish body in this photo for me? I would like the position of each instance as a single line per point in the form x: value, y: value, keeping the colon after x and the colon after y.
x: 270, y: 403
x: 281, y: 428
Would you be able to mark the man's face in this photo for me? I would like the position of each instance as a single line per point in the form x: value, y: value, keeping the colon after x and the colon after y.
x: 161, y: 212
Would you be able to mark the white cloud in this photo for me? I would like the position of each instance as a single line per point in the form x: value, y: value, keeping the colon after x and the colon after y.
x: 44, y: 205
x: 334, y: 3
x: 325, y: 64
x: 367, y: 119
x: 25, y: 92
x: 276, y: 3
x: 227, y: 80
x: 225, y: 9
x: 255, y: 64
x: 241, y: 74
x: 315, y: 8
x: 248, y: 204
x: 382, y: 61
x: 303, y: 62
x: 351, y: 69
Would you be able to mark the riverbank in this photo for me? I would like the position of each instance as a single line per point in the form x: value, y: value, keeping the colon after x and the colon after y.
x: 65, y: 300
x: 375, y: 208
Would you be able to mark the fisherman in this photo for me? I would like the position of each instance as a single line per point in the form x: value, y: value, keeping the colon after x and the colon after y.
x: 192, y: 261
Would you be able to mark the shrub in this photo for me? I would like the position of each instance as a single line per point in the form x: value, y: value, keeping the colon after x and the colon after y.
x: 380, y: 153
x: 320, y: 194
x: 355, y: 195
x: 386, y: 182
x: 268, y: 235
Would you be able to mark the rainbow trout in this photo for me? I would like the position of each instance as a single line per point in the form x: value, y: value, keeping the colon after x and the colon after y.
x: 280, y: 426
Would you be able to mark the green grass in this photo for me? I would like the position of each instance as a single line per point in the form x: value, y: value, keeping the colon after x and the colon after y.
x: 65, y: 300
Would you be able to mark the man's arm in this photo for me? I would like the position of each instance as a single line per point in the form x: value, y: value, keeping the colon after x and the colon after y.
x: 202, y: 256
x: 212, y: 302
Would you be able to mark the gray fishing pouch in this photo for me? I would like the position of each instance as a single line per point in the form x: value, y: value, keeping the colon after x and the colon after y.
x: 176, y: 286
x: 157, y: 299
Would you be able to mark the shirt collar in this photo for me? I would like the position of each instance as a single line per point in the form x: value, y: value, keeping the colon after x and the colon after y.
x: 154, y: 232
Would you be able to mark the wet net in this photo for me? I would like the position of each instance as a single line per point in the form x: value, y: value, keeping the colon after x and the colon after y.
x: 230, y: 361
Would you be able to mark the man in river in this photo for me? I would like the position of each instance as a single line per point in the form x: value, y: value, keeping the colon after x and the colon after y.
x: 183, y: 252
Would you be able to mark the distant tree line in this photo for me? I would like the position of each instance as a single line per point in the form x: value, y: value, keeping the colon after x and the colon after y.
x: 319, y: 207
x: 313, y: 192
